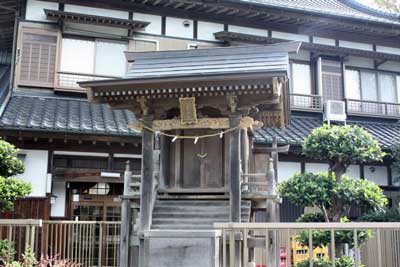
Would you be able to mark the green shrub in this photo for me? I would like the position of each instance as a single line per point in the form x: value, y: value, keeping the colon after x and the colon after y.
x: 386, y: 215
x: 343, y: 261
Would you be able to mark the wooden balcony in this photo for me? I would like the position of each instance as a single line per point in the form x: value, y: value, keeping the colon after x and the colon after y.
x: 373, y: 108
x: 68, y: 81
x: 306, y: 102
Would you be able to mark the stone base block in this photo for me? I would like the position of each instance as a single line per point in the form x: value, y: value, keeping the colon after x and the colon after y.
x: 183, y: 248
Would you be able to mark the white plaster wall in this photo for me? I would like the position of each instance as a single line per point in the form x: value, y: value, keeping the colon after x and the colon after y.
x: 206, y: 30
x: 355, y: 45
x: 247, y: 30
x: 316, y: 167
x: 378, y: 176
x: 360, y: 62
x: 174, y: 27
x: 353, y: 171
x: 290, y: 36
x: 35, y: 163
x: 287, y: 169
x: 324, y: 41
x: 59, y: 191
x: 390, y: 66
x: 97, y: 11
x: 389, y: 50
x: 34, y: 9
x: 155, y: 22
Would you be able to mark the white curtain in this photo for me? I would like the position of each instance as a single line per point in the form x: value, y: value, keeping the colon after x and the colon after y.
x: 387, y: 86
x: 301, y: 79
x: 110, y: 58
x: 77, y: 56
x: 368, y: 86
x: 352, y: 84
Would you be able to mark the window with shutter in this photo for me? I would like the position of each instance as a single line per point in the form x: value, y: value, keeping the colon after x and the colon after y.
x: 331, y: 80
x: 37, y: 61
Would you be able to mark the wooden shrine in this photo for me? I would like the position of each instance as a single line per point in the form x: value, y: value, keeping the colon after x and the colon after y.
x: 195, y: 109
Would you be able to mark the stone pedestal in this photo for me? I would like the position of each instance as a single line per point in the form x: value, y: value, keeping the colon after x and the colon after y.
x: 183, y: 248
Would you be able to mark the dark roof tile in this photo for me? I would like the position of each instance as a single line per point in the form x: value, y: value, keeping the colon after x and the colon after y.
x: 67, y: 115
x: 388, y: 134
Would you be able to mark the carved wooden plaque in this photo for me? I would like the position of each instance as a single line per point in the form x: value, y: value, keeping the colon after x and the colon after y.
x: 188, y: 110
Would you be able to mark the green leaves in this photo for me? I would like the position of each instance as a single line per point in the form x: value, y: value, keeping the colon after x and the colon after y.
x: 10, y: 190
x: 10, y: 165
x: 320, y: 190
x: 345, y: 144
x: 308, y: 189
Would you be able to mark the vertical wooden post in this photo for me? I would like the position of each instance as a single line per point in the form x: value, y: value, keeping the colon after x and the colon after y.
x: 147, y: 178
x: 234, y: 162
x: 126, y: 222
x: 244, y: 150
x: 164, y: 161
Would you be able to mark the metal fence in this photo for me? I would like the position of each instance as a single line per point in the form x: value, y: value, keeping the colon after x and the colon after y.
x: 88, y: 243
x: 276, y: 244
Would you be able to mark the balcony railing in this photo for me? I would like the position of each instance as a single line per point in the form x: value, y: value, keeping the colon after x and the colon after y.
x: 68, y: 81
x: 372, y: 108
x: 275, y: 244
x: 306, y: 102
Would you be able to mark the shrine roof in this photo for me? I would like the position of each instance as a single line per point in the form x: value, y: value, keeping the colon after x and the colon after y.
x: 300, y: 127
x: 153, y: 69
x: 210, y: 61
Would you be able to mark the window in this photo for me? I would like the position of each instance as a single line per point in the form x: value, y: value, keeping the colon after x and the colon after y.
x: 376, y: 90
x: 37, y: 57
x: 77, y: 56
x: 301, y: 78
x: 97, y: 57
x: 387, y: 87
x: 372, y: 86
x: 331, y: 79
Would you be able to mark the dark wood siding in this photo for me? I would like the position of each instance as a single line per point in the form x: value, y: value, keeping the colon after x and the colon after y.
x: 289, y: 212
x: 30, y: 208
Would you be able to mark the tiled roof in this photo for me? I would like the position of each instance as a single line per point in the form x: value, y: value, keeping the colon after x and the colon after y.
x: 66, y: 115
x: 300, y: 127
x: 71, y: 115
x: 342, y: 8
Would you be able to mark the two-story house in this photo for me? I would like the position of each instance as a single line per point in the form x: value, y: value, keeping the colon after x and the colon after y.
x: 347, y: 71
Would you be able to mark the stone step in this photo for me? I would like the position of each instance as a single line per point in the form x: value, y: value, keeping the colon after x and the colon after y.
x: 167, y: 221
x: 180, y: 214
x: 195, y: 209
x: 207, y: 203
x: 183, y: 226
x: 191, y: 214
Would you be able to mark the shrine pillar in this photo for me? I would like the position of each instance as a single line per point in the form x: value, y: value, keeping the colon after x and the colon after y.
x: 147, y: 183
x: 234, y: 171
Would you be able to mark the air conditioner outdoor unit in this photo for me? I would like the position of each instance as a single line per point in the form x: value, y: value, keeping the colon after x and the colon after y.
x: 334, y: 111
